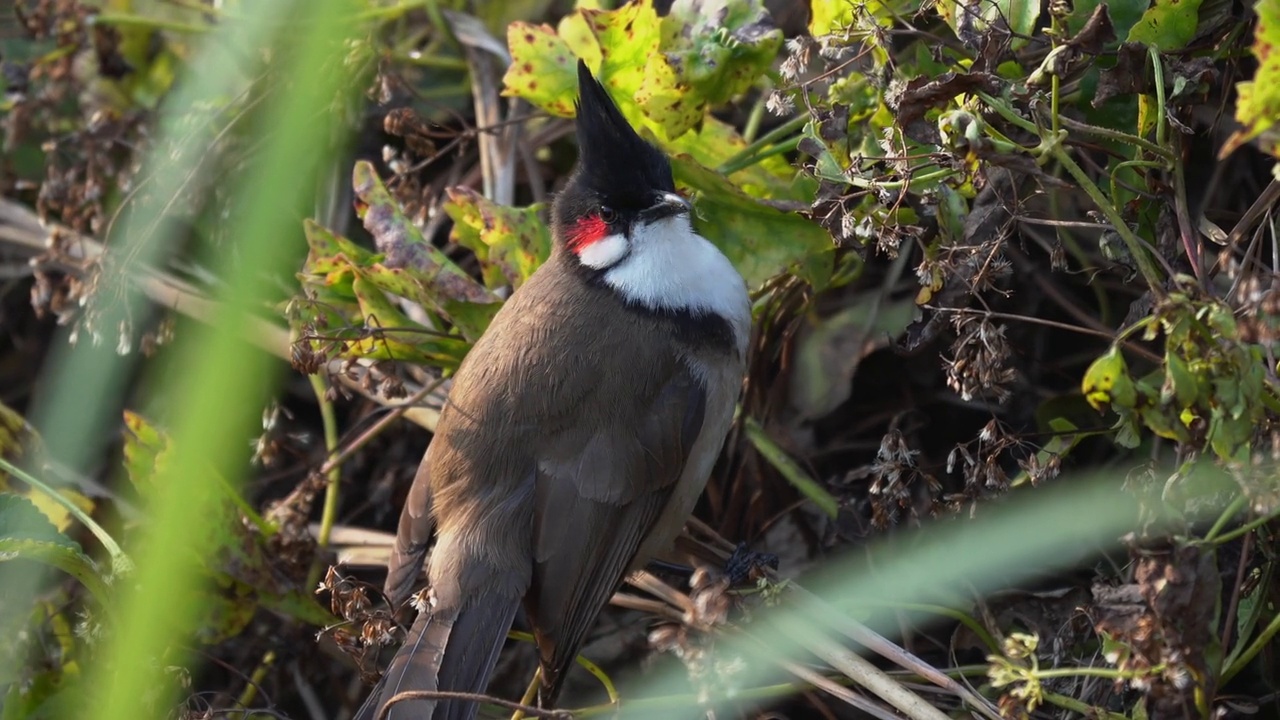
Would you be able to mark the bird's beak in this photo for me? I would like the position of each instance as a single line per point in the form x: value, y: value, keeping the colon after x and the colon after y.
x: 668, y: 204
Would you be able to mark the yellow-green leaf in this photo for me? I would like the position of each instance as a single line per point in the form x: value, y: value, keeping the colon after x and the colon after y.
x: 146, y: 449
x: 1167, y: 25
x: 510, y: 243
x: 543, y: 68
x: 1107, y: 382
x: 390, y: 335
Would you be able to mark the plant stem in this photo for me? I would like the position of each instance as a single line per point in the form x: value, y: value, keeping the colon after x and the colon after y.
x: 250, y: 691
x: 1161, y: 121
x: 1146, y: 266
x: 1246, y: 528
x: 1257, y: 646
x: 1128, y: 164
x: 747, y: 156
x: 1074, y: 705
x: 753, y: 120
x: 1098, y: 672
x: 321, y: 388
x: 897, y: 184
x: 1120, y: 137
x: 130, y: 20
x: 119, y: 559
x: 783, y: 147
x: 1229, y: 512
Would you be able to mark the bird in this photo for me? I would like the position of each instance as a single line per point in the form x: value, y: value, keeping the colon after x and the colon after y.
x: 579, y: 431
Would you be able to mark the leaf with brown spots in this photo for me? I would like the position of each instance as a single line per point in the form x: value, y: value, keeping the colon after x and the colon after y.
x: 1258, y: 107
x: 542, y: 68
x: 510, y: 243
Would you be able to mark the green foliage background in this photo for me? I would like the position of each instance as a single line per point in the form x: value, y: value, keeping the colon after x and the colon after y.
x: 192, y: 160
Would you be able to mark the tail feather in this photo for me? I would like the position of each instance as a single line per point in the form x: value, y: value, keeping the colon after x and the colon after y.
x: 478, y: 636
x: 444, y: 651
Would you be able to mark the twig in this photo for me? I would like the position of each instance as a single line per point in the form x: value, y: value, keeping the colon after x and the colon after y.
x: 862, y: 672
x: 473, y: 697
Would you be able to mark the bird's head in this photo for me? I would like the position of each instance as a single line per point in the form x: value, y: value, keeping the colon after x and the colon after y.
x: 621, y: 190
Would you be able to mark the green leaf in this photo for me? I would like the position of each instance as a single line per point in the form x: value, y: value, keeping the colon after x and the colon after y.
x: 542, y: 68
x: 1181, y: 380
x: 760, y: 241
x: 27, y: 534
x: 830, y: 16
x: 666, y: 101
x: 1107, y: 382
x: 1019, y: 15
x: 1258, y: 100
x: 722, y: 47
x: 393, y: 336
x: 510, y: 243
x: 625, y: 48
x: 1124, y: 15
x: 146, y: 450
x: 790, y: 469
x: 413, y: 268
x: 1167, y: 25
x: 20, y: 519
x: 1128, y: 432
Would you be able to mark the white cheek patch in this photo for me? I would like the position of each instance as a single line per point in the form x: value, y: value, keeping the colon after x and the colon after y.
x: 605, y: 252
x: 670, y: 266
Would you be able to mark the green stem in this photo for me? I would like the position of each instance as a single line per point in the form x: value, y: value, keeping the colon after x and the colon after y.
x: 1084, y: 708
x: 1098, y: 672
x: 783, y: 147
x: 897, y: 184
x: 1127, y: 164
x: 131, y: 20
x: 250, y: 691
x: 331, y: 488
x: 118, y: 558
x: 1229, y: 512
x: 959, y: 616
x: 1117, y: 136
x: 1257, y: 646
x: 1054, y: 118
x: 772, y: 137
x: 1161, y: 123
x: 1246, y: 528
x: 1009, y: 114
x: 753, y: 120
x: 1146, y: 265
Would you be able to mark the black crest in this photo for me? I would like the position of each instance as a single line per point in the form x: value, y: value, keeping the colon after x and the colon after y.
x: 614, y: 161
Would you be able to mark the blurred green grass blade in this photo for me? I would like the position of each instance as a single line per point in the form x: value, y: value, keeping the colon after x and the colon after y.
x: 790, y: 469
x: 1032, y: 535
x: 83, y: 385
x: 216, y: 397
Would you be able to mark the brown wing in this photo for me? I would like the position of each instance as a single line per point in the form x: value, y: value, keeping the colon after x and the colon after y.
x: 412, y: 537
x: 601, y: 486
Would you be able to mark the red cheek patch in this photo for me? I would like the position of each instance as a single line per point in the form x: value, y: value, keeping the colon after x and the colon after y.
x: 586, y: 232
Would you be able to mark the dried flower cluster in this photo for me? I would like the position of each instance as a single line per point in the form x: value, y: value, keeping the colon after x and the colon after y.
x: 978, y: 367
x: 349, y: 600
x: 693, y: 641
x: 897, y: 480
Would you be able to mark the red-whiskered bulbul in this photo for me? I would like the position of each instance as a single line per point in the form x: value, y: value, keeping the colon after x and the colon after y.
x: 579, y: 431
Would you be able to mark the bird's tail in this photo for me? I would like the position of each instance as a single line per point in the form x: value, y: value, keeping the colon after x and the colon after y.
x: 445, y: 651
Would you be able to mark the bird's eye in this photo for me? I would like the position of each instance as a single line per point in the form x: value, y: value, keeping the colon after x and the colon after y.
x: 608, y: 214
